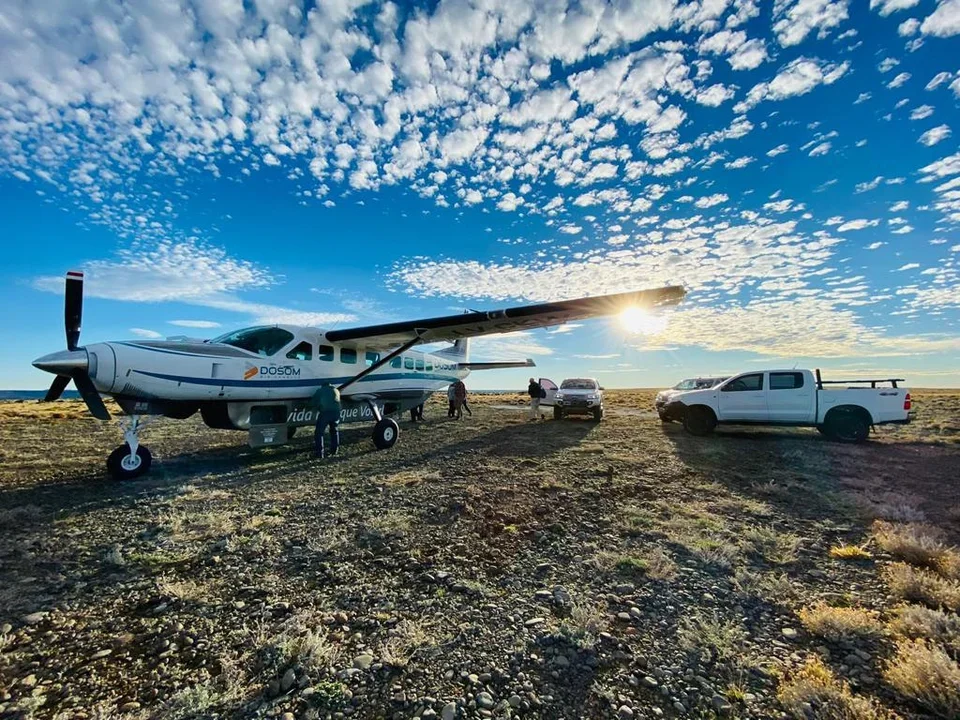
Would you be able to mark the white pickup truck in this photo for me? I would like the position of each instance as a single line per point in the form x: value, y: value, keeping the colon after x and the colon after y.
x: 795, y: 398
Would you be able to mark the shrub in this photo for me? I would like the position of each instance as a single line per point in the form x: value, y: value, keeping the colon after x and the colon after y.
x: 917, y: 544
x: 923, y: 586
x: 714, y: 636
x: 584, y: 625
x: 840, y: 623
x: 925, y: 673
x: 815, y: 687
x: 915, y: 623
x: 850, y: 552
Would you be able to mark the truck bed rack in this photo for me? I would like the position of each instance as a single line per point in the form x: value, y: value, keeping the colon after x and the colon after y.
x: 873, y: 383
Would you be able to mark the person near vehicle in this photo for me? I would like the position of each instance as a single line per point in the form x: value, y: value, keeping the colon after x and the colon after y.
x: 451, y: 399
x: 535, y: 392
x: 416, y: 413
x: 327, y: 403
x: 459, y: 398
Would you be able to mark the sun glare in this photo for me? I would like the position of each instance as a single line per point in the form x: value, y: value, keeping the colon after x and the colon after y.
x: 640, y: 322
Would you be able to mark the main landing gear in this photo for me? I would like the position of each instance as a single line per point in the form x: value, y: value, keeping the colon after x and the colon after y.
x: 386, y: 431
x: 130, y: 460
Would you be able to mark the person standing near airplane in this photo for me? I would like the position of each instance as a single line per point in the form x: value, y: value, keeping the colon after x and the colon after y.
x: 459, y: 398
x: 451, y: 399
x: 327, y: 403
x: 535, y: 392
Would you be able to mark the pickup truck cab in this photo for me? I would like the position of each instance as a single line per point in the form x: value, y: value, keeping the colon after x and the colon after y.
x: 795, y: 398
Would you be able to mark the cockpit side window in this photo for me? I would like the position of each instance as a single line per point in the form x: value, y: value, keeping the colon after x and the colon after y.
x: 372, y: 358
x: 303, y: 351
x: 396, y: 362
x: 263, y: 341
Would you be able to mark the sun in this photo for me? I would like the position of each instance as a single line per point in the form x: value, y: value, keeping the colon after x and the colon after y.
x: 640, y: 322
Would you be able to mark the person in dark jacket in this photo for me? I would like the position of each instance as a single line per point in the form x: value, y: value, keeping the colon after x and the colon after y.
x: 326, y: 401
x: 535, y: 392
x: 460, y: 398
x: 451, y: 400
x: 416, y: 413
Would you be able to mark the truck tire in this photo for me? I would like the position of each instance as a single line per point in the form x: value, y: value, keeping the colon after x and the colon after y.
x: 557, y: 413
x: 597, y: 415
x: 847, y: 426
x: 699, y: 421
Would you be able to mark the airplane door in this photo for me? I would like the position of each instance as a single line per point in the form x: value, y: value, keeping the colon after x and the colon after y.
x: 550, y: 390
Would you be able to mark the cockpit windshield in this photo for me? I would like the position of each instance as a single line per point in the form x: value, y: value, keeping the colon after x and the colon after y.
x: 578, y: 384
x: 263, y: 341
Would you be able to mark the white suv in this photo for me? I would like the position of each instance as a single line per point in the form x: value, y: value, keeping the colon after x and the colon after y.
x: 578, y: 396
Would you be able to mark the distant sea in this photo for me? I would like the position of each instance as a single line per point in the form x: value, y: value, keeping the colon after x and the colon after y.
x: 34, y: 394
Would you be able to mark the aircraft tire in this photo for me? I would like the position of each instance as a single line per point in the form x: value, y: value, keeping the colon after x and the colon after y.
x: 385, y: 433
x: 122, y: 466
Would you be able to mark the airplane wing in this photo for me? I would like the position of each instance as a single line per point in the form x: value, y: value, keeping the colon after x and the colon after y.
x: 524, y: 317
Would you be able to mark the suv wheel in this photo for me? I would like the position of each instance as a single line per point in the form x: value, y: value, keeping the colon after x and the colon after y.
x: 699, y: 421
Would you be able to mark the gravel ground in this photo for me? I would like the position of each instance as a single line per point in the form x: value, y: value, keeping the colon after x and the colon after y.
x: 492, y: 567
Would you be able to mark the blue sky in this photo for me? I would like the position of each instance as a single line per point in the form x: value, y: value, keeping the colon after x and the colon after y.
x: 217, y: 164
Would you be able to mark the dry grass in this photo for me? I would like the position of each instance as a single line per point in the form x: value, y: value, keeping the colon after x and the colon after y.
x: 770, y: 586
x: 584, y: 625
x: 774, y: 546
x: 183, y: 590
x: 814, y: 692
x: 850, y: 552
x: 305, y: 644
x: 923, y: 586
x: 403, y: 642
x: 713, y: 637
x: 655, y: 564
x: 840, y: 623
x: 917, y: 544
x: 914, y: 623
x: 925, y: 673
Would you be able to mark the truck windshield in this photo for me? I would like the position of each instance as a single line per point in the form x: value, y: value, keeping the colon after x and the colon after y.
x: 578, y: 385
x: 263, y: 341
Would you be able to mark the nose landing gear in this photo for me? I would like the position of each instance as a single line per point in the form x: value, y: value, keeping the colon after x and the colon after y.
x: 130, y: 460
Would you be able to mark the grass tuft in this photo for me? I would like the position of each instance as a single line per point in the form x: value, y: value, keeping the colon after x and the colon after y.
x: 719, y: 639
x: 840, y: 623
x: 923, y: 586
x: 404, y: 641
x: 915, y: 623
x: 917, y: 544
x: 850, y: 552
x: 925, y: 673
x: 584, y: 625
x: 814, y: 692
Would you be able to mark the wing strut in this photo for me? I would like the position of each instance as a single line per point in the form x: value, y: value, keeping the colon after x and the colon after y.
x: 382, y: 361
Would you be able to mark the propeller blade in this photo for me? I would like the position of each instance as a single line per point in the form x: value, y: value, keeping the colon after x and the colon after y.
x: 73, y: 308
x: 56, y: 388
x: 90, y: 395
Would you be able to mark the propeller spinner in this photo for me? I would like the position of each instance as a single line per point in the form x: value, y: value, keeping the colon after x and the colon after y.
x: 72, y: 363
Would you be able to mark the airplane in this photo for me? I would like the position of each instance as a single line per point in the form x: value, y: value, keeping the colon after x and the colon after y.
x: 261, y: 379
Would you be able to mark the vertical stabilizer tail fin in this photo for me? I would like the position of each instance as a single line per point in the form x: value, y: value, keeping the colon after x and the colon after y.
x: 459, y: 351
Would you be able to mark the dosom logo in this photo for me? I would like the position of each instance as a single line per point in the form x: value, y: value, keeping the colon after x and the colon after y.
x: 273, y: 370
x: 250, y: 372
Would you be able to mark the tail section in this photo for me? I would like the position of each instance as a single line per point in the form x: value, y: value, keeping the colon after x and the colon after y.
x: 458, y: 352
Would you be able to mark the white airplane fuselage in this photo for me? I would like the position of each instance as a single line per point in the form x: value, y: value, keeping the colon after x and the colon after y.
x: 149, y: 376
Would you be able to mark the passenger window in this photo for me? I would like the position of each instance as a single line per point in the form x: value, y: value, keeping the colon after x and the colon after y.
x: 745, y: 383
x: 303, y: 351
x: 372, y: 358
x: 429, y: 366
x: 396, y: 362
x: 786, y: 381
x: 325, y: 353
x: 348, y: 355
x: 419, y: 363
x: 408, y: 363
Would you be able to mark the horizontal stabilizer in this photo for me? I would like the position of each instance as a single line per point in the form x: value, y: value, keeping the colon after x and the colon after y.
x: 497, y: 365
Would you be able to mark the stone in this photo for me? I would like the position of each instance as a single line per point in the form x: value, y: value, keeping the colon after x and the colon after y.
x: 5, y: 629
x: 514, y: 701
x: 130, y: 706
x: 29, y: 681
x: 449, y: 711
x: 288, y: 716
x: 363, y: 662
x: 533, y: 622
x: 101, y: 654
x: 649, y: 682
x: 485, y: 700
x: 34, y: 618
x: 625, y: 712
x: 789, y: 633
x: 288, y: 680
x: 721, y: 705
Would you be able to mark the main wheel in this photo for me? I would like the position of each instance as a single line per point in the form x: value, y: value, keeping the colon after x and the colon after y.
x: 699, y: 421
x: 385, y: 433
x: 848, y: 427
x: 124, y: 465
x: 291, y: 431
x: 597, y: 415
x: 557, y: 414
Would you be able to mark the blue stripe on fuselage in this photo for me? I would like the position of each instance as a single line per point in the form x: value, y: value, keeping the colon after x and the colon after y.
x: 312, y: 382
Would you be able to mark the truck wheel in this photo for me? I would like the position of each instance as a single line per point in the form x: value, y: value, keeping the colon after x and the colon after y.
x: 847, y: 427
x: 597, y: 415
x: 699, y: 421
x: 557, y: 414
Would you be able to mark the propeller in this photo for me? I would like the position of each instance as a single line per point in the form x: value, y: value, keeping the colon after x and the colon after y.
x: 73, y: 363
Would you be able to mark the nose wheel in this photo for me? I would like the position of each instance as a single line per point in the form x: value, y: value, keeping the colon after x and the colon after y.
x: 130, y: 460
